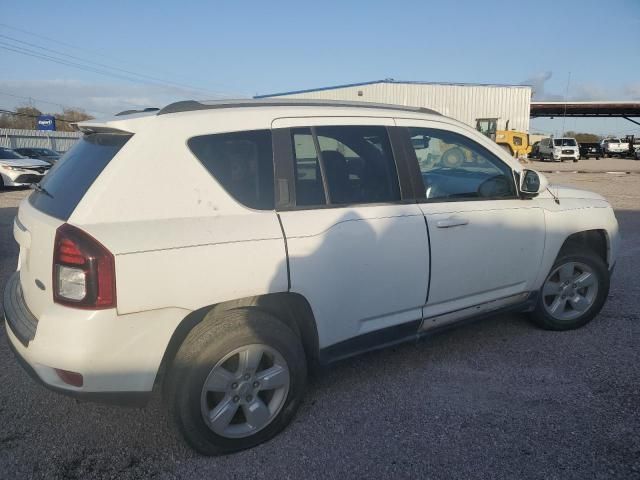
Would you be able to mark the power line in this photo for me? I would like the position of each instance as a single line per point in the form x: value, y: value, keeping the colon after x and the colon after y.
x: 101, y: 54
x: 39, y: 100
x: 149, y: 77
x: 42, y: 56
x: 20, y: 114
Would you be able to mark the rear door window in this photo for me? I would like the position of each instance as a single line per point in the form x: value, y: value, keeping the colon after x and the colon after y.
x: 70, y: 178
x: 356, y: 161
x: 309, y: 187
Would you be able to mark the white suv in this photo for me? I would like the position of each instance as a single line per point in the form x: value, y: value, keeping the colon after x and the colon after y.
x: 222, y: 249
x: 559, y: 149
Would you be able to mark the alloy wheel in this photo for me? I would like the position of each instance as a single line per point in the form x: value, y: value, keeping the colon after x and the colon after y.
x: 245, y: 391
x: 569, y: 291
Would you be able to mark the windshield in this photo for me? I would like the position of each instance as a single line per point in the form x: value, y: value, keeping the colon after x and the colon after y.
x: 564, y: 142
x: 45, y: 151
x: 8, y: 154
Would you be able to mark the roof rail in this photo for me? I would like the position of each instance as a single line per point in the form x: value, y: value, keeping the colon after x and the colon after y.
x: 130, y: 112
x: 193, y: 105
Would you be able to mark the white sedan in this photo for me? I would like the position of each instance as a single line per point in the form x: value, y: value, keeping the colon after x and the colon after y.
x: 18, y: 171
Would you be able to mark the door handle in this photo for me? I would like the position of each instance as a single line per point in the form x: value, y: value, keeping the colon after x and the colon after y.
x: 452, y: 222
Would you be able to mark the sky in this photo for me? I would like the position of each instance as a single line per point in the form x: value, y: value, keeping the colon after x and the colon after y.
x: 127, y: 54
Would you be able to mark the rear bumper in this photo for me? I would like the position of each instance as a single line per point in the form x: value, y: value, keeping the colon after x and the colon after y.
x: 127, y: 399
x: 118, y: 356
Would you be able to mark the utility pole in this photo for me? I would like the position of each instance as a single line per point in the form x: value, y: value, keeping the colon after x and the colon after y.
x: 566, y: 99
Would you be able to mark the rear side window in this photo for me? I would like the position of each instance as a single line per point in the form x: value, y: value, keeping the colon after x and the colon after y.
x: 242, y: 162
x: 70, y: 178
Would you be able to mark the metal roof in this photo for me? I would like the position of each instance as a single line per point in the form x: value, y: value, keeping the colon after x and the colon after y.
x: 192, y: 105
x: 391, y: 80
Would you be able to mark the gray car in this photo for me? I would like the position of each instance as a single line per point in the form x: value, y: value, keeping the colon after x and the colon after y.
x: 45, y: 154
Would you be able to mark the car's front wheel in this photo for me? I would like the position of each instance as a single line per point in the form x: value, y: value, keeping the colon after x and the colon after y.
x: 236, y: 381
x: 574, y: 291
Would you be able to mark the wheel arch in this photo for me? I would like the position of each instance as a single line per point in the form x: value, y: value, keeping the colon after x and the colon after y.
x: 290, y: 308
x: 596, y: 240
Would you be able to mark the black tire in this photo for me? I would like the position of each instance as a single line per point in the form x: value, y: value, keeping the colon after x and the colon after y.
x: 544, y: 320
x: 575, y: 160
x: 205, y: 346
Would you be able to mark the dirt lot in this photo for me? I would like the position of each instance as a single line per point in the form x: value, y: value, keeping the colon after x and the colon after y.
x: 495, y: 399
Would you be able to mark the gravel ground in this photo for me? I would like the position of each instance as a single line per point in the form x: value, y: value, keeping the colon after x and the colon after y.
x: 494, y: 399
x: 590, y: 165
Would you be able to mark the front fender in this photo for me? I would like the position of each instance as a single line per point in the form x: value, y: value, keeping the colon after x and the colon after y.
x: 572, y: 219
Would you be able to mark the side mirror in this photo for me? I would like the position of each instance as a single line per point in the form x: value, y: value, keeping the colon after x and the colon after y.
x: 420, y: 142
x: 532, y: 183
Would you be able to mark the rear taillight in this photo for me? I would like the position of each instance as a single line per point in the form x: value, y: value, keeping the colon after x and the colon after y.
x: 83, y: 270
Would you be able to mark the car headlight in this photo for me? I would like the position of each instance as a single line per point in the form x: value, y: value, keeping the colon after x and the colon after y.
x: 9, y: 167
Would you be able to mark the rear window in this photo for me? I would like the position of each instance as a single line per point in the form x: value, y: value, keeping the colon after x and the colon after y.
x: 70, y: 178
x: 242, y: 162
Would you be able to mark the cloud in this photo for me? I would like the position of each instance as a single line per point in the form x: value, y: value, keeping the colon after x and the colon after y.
x: 581, y: 91
x: 588, y: 92
x: 632, y: 91
x: 537, y: 81
x: 96, y: 99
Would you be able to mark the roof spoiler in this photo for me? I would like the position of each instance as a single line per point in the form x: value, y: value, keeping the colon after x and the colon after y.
x: 90, y: 129
x: 131, y: 112
x: 192, y: 105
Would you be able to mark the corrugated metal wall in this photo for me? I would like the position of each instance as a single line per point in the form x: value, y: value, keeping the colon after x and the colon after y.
x: 59, y: 141
x: 465, y: 103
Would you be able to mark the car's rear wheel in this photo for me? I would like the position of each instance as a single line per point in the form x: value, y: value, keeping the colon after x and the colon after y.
x: 236, y: 381
x: 574, y: 291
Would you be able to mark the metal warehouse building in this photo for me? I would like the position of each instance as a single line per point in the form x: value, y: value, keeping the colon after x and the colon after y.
x: 507, y: 105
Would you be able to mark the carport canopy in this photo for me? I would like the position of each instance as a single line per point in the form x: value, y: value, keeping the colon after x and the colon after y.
x: 624, y: 110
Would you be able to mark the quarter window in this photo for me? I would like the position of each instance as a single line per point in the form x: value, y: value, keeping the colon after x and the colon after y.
x: 242, y: 162
x: 454, y: 167
x: 354, y: 162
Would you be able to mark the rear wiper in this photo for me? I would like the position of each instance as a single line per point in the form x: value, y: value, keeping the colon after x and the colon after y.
x: 39, y: 188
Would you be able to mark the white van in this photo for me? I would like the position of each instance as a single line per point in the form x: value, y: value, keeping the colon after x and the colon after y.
x: 559, y: 149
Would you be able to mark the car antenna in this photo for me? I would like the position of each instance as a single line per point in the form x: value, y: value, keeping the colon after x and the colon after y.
x: 555, y: 197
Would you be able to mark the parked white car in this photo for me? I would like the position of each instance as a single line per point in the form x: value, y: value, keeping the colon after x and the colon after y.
x: 614, y: 146
x: 298, y: 233
x: 559, y: 149
x: 19, y: 171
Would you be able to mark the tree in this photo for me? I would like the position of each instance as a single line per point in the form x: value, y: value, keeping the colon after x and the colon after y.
x: 68, y: 116
x: 24, y: 118
x: 583, y: 137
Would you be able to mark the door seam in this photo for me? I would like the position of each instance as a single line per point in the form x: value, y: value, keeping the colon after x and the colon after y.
x: 286, y: 252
